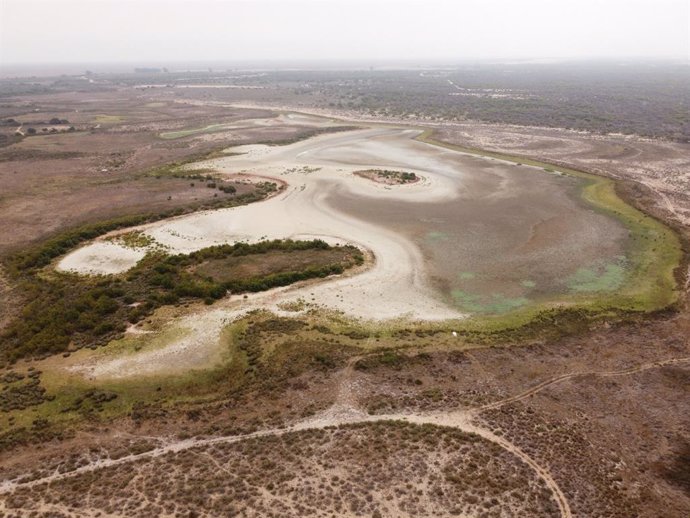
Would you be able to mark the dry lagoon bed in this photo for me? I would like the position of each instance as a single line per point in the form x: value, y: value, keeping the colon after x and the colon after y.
x: 475, y: 235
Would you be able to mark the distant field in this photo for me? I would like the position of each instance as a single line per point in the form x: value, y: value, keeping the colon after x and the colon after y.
x: 109, y: 119
x: 211, y: 128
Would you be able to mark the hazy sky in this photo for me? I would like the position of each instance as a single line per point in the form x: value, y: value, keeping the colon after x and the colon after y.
x: 63, y: 31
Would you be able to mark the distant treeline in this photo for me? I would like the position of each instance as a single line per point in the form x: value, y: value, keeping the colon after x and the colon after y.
x: 649, y: 99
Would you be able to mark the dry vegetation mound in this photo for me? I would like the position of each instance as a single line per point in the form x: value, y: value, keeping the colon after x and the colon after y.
x: 388, y: 177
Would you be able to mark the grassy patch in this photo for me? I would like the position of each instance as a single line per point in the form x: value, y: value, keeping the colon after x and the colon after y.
x: 389, y: 359
x: 260, y: 353
x: 134, y: 239
x: 108, y: 119
x: 227, y: 269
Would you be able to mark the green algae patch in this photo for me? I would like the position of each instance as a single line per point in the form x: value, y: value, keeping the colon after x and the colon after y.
x: 467, y: 301
x: 607, y: 278
x: 502, y: 304
x: 437, y: 236
x: 653, y: 252
x: 496, y: 303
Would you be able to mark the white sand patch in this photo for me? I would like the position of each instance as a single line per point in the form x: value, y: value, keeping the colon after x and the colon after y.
x: 196, y: 347
x: 101, y: 257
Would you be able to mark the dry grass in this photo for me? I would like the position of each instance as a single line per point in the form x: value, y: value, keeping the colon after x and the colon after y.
x: 382, y: 469
x: 228, y: 269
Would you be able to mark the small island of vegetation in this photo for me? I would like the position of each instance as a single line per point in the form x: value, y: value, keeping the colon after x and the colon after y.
x: 388, y: 177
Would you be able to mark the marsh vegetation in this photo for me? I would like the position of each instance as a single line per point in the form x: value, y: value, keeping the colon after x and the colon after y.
x: 68, y: 311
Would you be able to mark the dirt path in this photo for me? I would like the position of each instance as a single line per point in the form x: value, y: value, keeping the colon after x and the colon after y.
x: 339, y: 414
x: 346, y: 410
x: 462, y: 420
x: 557, y: 379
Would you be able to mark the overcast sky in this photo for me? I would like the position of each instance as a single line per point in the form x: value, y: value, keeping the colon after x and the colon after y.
x: 64, y: 31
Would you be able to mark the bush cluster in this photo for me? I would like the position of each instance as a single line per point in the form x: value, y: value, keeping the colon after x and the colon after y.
x: 67, y: 310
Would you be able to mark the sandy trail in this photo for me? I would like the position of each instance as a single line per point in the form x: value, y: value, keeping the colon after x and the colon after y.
x: 283, y: 119
x: 557, y: 379
x: 459, y: 420
x: 346, y: 410
x: 337, y: 415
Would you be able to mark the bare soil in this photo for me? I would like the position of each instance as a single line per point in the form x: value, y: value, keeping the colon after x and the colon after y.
x: 55, y: 181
